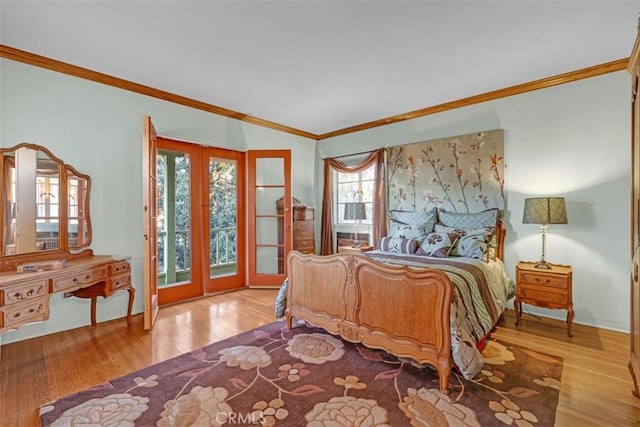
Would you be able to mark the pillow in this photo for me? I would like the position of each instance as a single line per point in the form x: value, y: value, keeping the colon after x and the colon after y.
x: 398, y: 245
x: 474, y: 239
x: 407, y: 231
x: 472, y: 246
x: 437, y: 245
x: 488, y: 218
x: 414, y: 218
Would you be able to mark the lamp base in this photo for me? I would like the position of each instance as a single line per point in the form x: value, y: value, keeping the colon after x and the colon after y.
x: 542, y: 264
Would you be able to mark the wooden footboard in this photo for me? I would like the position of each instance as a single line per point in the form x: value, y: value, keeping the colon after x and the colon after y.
x: 398, y: 309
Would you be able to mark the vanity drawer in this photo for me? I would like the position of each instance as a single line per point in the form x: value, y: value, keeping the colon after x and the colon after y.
x: 119, y: 267
x: 28, y: 311
x: 120, y: 282
x: 23, y: 291
x: 79, y: 279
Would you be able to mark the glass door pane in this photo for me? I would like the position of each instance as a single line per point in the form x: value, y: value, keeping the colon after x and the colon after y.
x: 223, y: 217
x: 174, y: 218
x: 270, y: 216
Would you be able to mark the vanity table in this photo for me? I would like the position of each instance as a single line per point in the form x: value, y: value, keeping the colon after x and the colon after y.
x: 24, y: 297
x: 46, y: 229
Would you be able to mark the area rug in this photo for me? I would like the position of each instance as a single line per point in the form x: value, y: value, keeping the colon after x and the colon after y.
x: 305, y: 376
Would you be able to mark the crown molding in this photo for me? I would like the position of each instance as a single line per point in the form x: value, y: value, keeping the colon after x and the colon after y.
x: 84, y: 73
x: 569, y: 77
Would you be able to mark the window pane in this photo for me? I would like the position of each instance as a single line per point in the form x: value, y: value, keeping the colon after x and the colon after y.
x: 369, y: 173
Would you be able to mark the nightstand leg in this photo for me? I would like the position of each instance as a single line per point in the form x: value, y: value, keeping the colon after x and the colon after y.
x: 517, y: 305
x: 569, y: 320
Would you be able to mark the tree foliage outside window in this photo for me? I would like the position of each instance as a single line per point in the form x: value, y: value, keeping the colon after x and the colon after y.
x: 355, y: 187
x: 182, y: 209
x: 223, y: 219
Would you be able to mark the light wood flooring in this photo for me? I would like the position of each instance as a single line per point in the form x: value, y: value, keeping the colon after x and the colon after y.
x: 595, y: 389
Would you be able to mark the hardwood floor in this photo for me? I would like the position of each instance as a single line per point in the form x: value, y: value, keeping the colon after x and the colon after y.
x: 595, y: 389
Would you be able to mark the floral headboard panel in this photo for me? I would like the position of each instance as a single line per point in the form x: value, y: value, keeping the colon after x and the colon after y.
x: 458, y: 174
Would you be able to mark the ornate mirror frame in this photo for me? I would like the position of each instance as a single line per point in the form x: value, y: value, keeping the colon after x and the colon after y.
x: 44, y: 207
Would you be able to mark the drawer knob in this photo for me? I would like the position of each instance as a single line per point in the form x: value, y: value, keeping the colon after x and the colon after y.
x: 537, y: 280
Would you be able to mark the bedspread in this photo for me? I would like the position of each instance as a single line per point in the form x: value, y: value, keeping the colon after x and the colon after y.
x: 481, y: 291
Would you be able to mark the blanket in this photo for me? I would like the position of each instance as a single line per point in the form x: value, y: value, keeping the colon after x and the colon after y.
x: 480, y: 294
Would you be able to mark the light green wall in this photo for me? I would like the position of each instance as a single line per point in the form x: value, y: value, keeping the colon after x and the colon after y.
x: 98, y: 129
x: 571, y: 140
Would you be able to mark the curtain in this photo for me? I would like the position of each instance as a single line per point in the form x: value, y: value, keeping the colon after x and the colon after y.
x: 379, y: 200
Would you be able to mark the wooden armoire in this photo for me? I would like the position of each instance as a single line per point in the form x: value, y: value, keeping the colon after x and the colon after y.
x: 634, y: 69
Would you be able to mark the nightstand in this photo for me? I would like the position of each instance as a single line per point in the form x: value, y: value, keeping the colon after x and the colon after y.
x: 352, y: 250
x: 544, y: 288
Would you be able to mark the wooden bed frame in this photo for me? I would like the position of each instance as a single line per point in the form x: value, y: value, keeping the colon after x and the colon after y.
x: 401, y: 310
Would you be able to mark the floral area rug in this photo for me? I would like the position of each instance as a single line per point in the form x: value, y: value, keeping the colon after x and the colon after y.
x: 305, y: 376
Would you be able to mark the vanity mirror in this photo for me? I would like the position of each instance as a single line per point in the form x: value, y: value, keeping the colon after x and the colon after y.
x: 45, y: 233
x: 44, y: 204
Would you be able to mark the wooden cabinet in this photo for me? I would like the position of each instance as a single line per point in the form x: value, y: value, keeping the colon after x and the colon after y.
x: 634, y: 69
x: 303, y: 229
x: 544, y: 288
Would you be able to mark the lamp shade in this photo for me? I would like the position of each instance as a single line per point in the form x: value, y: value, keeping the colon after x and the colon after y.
x: 355, y: 211
x: 544, y: 210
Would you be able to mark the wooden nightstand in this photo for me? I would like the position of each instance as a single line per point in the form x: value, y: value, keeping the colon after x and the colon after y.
x: 544, y: 288
x: 352, y: 250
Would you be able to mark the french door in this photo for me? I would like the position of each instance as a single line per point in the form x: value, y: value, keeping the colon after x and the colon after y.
x: 194, y: 220
x: 224, y: 231
x: 269, y: 215
x: 179, y: 240
x: 149, y: 216
x: 200, y: 231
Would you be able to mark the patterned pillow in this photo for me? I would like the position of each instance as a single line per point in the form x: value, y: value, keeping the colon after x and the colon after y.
x: 398, y: 245
x: 472, y: 246
x: 408, y: 231
x: 437, y: 245
x: 475, y: 239
x: 414, y: 218
x: 488, y: 218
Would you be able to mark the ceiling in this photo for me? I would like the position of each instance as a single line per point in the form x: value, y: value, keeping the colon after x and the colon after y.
x: 321, y: 66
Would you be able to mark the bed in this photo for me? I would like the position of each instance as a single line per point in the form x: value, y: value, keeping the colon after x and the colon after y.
x: 433, y: 308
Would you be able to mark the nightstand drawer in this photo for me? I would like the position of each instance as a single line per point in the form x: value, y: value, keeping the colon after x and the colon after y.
x: 541, y: 297
x: 541, y: 279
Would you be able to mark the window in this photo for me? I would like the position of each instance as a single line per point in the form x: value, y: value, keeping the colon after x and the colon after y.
x: 354, y: 187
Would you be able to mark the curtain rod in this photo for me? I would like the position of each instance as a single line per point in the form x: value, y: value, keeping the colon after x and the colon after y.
x: 351, y: 155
